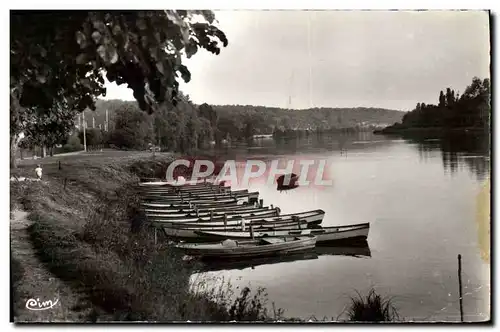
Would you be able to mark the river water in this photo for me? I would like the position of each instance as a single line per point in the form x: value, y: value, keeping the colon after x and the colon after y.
x: 424, y: 201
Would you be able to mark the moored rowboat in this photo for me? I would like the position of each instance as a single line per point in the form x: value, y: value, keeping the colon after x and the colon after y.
x: 191, y: 233
x: 210, y: 196
x: 308, y: 217
x: 210, y: 217
x: 357, y: 232
x: 205, y: 213
x: 250, y: 248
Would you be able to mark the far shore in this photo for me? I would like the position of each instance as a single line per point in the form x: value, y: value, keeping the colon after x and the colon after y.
x: 431, y: 131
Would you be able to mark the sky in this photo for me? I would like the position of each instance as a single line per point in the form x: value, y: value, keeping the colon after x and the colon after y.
x: 301, y: 59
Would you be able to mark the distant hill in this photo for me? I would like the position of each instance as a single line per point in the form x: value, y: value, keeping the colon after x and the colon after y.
x: 265, y: 119
x: 313, y: 118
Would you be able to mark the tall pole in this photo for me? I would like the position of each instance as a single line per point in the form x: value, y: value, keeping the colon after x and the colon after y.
x: 107, y: 121
x: 460, y: 287
x: 84, y: 134
x: 93, y: 122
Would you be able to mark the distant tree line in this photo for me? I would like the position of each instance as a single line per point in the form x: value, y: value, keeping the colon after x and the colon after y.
x: 187, y: 127
x: 469, y: 110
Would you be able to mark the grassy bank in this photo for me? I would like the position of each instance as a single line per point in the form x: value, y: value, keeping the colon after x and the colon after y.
x: 87, y: 230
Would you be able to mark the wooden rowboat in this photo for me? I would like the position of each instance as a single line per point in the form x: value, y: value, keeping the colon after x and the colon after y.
x: 199, y: 205
x: 250, y: 248
x: 168, y: 189
x: 185, y: 209
x: 213, y: 216
x: 191, y: 233
x: 209, y: 196
x: 313, y: 217
x: 287, y: 181
x: 187, y: 184
x: 358, y: 232
x: 206, y: 213
x: 191, y: 202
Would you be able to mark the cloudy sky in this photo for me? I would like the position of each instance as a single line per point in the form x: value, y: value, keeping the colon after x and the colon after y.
x: 339, y: 58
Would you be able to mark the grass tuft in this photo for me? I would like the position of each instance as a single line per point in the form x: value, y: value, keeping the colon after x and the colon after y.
x: 372, y: 308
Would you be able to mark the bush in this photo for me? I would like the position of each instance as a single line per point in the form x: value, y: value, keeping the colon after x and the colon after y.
x: 73, y: 144
x: 372, y: 308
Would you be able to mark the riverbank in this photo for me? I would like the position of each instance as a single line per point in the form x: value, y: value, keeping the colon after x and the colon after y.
x: 429, y: 131
x: 94, y: 256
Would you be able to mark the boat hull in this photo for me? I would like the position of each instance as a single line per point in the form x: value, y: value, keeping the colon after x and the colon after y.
x: 349, y: 233
x: 250, y: 248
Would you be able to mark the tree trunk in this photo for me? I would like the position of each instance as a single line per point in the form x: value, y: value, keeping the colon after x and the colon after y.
x: 51, y: 151
x: 44, y: 151
x: 21, y: 153
x: 13, y: 150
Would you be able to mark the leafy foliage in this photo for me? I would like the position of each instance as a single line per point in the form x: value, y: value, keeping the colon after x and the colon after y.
x: 133, y: 129
x: 59, y: 58
x: 63, y: 54
x: 469, y: 110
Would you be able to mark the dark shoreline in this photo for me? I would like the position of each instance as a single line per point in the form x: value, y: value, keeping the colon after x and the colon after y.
x: 440, y: 131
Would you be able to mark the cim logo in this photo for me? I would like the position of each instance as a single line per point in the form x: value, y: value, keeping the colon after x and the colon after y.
x: 33, y: 304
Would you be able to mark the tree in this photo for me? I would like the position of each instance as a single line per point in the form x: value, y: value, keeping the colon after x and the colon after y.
x: 63, y: 56
x: 208, y: 113
x: 133, y: 129
x: 450, y: 97
x: 442, y: 99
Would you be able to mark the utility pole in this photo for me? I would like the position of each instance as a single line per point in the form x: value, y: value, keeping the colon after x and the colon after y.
x: 84, y: 134
x: 107, y: 121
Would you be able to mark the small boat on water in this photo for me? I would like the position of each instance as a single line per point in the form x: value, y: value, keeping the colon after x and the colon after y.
x: 309, y: 217
x: 199, y: 191
x: 202, y: 209
x: 287, y: 181
x: 200, y: 205
x: 190, y: 232
x: 357, y: 232
x: 208, y: 196
x: 190, y: 202
x: 207, y: 213
x: 212, y: 216
x: 250, y: 248
x: 183, y: 184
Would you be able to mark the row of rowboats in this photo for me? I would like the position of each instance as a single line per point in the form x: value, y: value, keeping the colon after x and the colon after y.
x: 212, y: 221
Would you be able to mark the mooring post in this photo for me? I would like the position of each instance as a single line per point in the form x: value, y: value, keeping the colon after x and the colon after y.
x: 251, y: 231
x: 225, y: 222
x: 261, y: 202
x: 211, y: 215
x: 460, y: 287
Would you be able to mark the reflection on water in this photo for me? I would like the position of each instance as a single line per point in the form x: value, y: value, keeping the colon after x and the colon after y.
x: 359, y: 251
x: 422, y: 199
x: 472, y: 151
